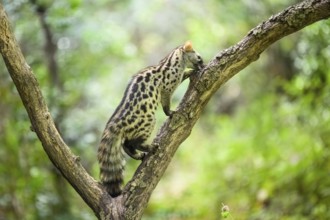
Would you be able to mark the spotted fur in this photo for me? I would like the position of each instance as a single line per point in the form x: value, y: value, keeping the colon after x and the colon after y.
x: 134, y: 119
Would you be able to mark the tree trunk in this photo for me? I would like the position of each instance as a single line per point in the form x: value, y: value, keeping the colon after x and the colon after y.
x: 203, y: 84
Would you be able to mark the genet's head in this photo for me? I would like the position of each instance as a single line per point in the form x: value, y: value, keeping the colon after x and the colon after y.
x: 193, y: 58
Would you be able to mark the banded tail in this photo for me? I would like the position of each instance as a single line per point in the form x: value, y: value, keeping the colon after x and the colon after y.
x: 112, y: 162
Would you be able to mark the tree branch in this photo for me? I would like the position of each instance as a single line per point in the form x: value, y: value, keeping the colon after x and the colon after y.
x: 50, y: 47
x: 41, y: 120
x: 203, y: 85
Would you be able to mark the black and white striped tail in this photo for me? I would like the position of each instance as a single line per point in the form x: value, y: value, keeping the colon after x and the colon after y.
x: 111, y: 162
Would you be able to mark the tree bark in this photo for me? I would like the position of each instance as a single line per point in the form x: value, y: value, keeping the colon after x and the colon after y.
x: 203, y: 84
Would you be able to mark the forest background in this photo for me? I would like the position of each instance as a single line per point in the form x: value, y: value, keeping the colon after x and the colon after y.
x: 261, y: 147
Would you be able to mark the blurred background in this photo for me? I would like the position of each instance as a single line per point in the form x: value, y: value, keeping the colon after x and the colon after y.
x: 262, y: 145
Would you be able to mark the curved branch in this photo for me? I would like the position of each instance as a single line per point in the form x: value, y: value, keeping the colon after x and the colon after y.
x: 204, y: 84
x: 42, y: 123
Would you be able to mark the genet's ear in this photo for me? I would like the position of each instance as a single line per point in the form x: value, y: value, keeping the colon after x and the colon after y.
x: 187, y: 47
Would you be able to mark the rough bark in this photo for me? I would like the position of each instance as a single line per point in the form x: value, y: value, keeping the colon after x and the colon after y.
x: 42, y: 122
x: 174, y: 131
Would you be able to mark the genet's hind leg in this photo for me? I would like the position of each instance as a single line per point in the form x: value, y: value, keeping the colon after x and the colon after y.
x: 147, y: 147
x: 131, y: 147
x: 131, y: 151
x: 140, y: 141
x: 137, y: 141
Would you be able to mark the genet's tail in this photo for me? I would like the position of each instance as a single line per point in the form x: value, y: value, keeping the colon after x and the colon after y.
x: 111, y: 161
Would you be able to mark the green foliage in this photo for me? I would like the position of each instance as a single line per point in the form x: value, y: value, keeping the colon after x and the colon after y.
x: 267, y: 157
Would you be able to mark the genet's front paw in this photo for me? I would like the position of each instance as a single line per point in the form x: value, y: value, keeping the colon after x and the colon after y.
x: 199, y: 66
x: 143, y: 155
x: 170, y: 113
x: 155, y: 147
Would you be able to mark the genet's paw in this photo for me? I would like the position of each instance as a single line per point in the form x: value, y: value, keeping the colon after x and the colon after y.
x: 171, y: 113
x: 143, y: 155
x: 155, y: 147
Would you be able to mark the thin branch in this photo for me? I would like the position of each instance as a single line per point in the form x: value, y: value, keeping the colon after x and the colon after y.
x: 50, y: 47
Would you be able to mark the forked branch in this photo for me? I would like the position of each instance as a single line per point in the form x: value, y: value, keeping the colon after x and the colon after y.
x: 202, y: 87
